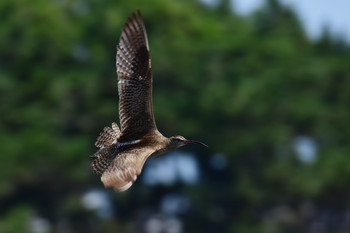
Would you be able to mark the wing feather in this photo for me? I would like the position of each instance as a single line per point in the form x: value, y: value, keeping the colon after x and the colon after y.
x: 135, y: 81
x: 108, y: 136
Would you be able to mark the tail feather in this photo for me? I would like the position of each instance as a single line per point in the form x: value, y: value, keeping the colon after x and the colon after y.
x: 102, y: 159
x: 104, y: 156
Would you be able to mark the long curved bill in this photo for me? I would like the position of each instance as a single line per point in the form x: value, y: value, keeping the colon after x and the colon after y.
x: 195, y: 142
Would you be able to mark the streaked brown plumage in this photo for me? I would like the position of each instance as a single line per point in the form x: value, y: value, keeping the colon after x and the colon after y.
x: 122, y: 154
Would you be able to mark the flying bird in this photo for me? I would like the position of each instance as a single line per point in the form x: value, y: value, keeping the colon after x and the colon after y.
x: 122, y: 153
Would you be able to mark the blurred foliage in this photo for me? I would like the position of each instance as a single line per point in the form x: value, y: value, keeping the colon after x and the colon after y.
x: 246, y: 86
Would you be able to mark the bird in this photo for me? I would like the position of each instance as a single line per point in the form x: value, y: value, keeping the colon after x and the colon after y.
x: 123, y: 152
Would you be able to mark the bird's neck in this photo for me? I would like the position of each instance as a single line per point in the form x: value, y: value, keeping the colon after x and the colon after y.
x: 162, y: 145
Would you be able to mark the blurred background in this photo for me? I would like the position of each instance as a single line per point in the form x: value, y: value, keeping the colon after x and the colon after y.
x: 266, y: 84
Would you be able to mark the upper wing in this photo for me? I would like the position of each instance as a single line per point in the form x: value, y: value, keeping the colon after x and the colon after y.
x: 125, y: 168
x: 135, y: 81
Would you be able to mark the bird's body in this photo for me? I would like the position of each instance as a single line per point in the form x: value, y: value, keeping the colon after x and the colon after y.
x: 122, y: 153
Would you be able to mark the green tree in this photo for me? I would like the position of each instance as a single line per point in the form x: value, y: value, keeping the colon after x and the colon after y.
x: 247, y: 87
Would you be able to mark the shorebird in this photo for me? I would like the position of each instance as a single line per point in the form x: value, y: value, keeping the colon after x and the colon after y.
x: 122, y: 153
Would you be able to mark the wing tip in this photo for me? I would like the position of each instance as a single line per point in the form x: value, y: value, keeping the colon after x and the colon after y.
x: 138, y: 14
x: 134, y: 16
x: 108, y: 136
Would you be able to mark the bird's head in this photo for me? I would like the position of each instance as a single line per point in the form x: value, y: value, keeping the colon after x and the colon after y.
x: 179, y: 141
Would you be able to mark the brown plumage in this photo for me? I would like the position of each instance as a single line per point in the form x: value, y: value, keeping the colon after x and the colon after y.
x: 122, y: 154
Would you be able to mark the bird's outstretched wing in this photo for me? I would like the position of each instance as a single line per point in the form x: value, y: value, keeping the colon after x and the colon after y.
x: 124, y: 169
x: 135, y: 81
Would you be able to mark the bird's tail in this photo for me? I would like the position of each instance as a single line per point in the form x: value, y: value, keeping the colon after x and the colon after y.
x: 102, y: 158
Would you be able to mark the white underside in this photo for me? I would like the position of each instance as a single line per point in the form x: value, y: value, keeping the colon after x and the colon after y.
x: 125, y: 187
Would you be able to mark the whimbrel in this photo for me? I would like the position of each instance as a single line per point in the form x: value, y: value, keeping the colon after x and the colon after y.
x: 122, y: 154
